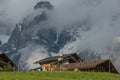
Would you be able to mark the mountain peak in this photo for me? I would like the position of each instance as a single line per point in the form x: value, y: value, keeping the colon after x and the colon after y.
x: 43, y: 4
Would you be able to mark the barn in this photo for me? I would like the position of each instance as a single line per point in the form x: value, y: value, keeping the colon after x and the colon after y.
x: 100, y: 65
x: 6, y: 64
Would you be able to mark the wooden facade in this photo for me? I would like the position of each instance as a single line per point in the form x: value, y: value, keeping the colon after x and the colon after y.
x: 101, y: 66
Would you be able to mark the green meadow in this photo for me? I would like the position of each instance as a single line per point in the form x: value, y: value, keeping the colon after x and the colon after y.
x: 67, y: 75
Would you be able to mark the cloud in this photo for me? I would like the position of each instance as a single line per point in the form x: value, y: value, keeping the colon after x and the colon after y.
x: 12, y: 12
x: 31, y: 54
x: 103, y: 17
x: 4, y: 38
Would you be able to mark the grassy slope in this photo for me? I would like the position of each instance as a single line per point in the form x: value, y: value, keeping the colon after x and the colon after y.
x: 57, y: 76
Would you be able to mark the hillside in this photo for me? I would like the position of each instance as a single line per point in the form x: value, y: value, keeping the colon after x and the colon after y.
x: 58, y: 76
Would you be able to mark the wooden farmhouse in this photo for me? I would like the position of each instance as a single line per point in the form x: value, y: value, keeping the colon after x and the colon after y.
x: 52, y: 63
x: 6, y: 64
x: 72, y: 62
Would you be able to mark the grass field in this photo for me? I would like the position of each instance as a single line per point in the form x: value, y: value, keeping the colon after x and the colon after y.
x: 57, y: 76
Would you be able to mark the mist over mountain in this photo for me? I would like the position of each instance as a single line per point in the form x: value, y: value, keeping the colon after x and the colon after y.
x: 87, y: 27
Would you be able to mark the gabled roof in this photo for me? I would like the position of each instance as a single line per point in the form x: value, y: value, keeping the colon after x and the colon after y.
x: 92, y: 64
x: 4, y: 59
x: 55, y: 58
x: 85, y: 65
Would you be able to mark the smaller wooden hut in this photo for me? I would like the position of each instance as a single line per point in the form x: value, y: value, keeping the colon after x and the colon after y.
x: 6, y: 64
x: 101, y: 65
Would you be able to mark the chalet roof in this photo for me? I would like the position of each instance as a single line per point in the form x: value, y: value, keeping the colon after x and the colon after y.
x: 5, y: 59
x: 55, y: 58
x: 85, y: 65
x: 92, y: 64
